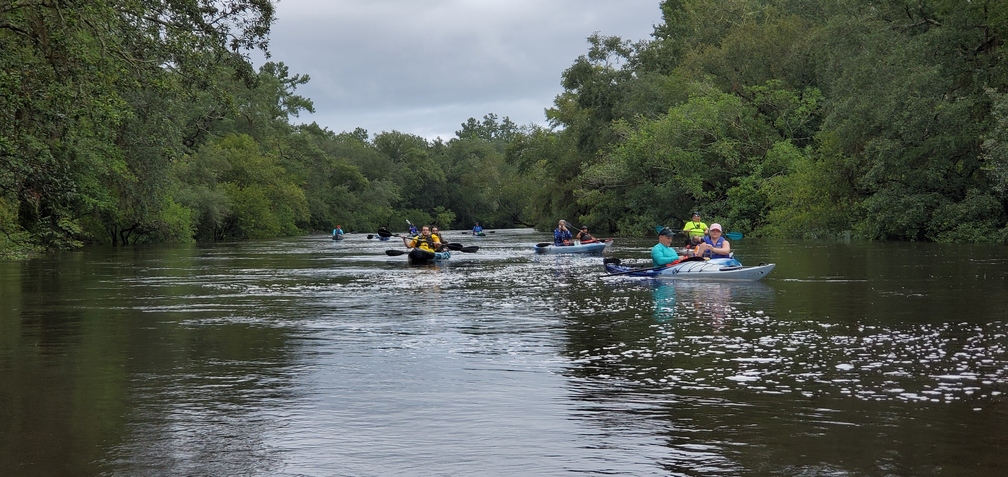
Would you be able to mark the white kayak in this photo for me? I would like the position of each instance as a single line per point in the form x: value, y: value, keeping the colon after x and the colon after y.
x: 695, y: 269
x: 592, y: 247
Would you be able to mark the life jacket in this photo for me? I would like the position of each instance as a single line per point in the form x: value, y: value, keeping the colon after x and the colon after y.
x: 720, y: 242
x: 695, y: 229
x: 562, y: 237
x: 424, y: 243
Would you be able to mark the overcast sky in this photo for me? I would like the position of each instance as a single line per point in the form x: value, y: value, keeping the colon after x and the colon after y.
x: 425, y: 66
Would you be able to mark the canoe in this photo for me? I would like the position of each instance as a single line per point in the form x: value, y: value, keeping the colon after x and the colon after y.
x: 423, y: 257
x: 594, y: 247
x: 713, y: 269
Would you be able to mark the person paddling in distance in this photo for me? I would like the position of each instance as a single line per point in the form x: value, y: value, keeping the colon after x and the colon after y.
x: 477, y: 229
x: 425, y: 241
x: 583, y: 236
x: 562, y: 235
x: 714, y: 245
x: 436, y: 235
x: 662, y: 254
x: 696, y: 229
x: 338, y: 230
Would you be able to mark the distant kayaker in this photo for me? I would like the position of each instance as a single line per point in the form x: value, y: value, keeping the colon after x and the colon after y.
x: 412, y: 229
x: 695, y: 228
x: 561, y: 235
x: 662, y: 254
x: 714, y: 245
x: 477, y: 229
x: 425, y: 241
x: 584, y: 237
x: 338, y: 230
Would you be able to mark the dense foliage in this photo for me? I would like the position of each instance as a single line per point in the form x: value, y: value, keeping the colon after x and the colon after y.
x: 796, y: 118
x: 128, y: 122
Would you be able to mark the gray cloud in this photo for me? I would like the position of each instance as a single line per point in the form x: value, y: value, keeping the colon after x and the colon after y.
x: 424, y: 67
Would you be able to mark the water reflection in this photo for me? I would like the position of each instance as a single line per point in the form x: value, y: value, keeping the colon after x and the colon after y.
x: 309, y: 357
x: 664, y: 294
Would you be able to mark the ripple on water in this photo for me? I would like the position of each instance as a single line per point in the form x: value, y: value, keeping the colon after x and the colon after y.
x: 929, y: 363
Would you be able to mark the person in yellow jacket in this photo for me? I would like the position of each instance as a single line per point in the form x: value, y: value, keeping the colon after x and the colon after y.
x: 436, y: 235
x: 695, y: 228
x: 425, y: 241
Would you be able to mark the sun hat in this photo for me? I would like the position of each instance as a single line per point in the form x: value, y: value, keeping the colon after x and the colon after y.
x: 716, y: 226
x: 584, y: 227
x: 666, y: 232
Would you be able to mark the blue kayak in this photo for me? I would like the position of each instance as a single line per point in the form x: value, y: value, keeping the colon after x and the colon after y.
x: 592, y: 247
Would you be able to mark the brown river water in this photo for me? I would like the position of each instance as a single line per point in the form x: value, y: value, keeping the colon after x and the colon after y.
x: 310, y: 357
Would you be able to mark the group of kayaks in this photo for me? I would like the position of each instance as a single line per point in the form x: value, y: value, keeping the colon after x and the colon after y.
x: 693, y: 268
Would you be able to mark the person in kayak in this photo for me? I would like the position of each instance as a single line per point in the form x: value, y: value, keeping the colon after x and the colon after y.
x: 714, y: 245
x: 561, y: 235
x: 477, y: 229
x: 662, y: 254
x: 695, y: 228
x: 338, y: 230
x: 425, y: 241
x: 584, y: 237
x: 436, y: 235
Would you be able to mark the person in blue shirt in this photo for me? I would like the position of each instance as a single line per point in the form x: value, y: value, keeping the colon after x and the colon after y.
x: 338, y: 230
x: 662, y: 254
x: 562, y: 235
x: 477, y: 229
x: 413, y: 230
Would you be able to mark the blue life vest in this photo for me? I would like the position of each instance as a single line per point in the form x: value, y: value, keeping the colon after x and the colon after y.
x: 710, y: 254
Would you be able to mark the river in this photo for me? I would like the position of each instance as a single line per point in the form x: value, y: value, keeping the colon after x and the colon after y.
x: 312, y: 357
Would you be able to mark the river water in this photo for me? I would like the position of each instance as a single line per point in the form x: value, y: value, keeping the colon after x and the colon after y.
x: 309, y: 357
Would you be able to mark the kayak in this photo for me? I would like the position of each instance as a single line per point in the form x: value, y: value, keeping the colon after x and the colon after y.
x: 423, y: 257
x: 337, y: 237
x: 713, y: 269
x: 593, y: 247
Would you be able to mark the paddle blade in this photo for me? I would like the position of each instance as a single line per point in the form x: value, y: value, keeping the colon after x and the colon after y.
x: 454, y: 246
x: 369, y: 237
x: 734, y: 235
x: 543, y: 244
x: 384, y: 233
x: 471, y: 249
x: 395, y: 253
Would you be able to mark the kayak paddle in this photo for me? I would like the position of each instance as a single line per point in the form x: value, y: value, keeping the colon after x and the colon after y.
x: 460, y: 248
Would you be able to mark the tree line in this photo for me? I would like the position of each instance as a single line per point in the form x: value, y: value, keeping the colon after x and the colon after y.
x: 141, y: 122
